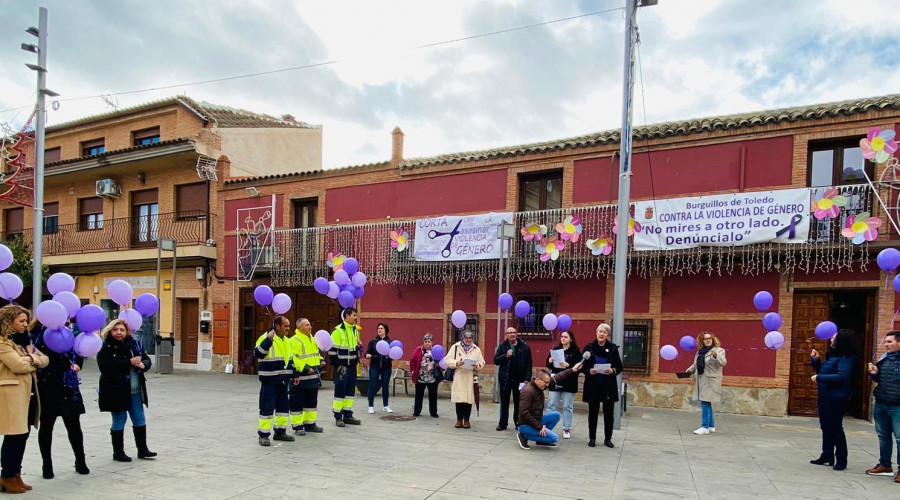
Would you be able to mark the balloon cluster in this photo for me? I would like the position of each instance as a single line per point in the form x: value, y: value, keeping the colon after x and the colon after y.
x: 348, y: 285
x: 888, y: 260
x: 394, y: 350
x: 10, y: 285
x: 550, y: 321
x: 763, y: 301
x: 265, y: 297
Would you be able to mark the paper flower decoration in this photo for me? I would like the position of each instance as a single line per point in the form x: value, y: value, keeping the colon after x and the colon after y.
x: 861, y: 228
x: 336, y: 260
x: 399, y: 239
x: 600, y: 246
x: 570, y: 228
x: 879, y: 145
x: 549, y: 248
x: 533, y: 231
x: 633, y: 226
x: 830, y: 204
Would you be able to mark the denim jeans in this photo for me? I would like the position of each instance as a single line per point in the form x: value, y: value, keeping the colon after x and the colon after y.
x: 887, y: 422
x: 549, y: 420
x: 379, y: 377
x: 706, y: 413
x: 568, y: 405
x: 136, y: 411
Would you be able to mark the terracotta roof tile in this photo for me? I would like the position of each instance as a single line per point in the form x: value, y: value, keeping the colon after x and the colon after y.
x: 119, y: 151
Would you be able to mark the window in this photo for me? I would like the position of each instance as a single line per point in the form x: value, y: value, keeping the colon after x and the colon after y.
x: 542, y: 303
x: 305, y: 212
x: 636, y: 348
x: 90, y: 212
x: 94, y: 147
x: 192, y: 200
x: 51, y: 155
x: 145, y: 216
x: 541, y: 191
x: 145, y: 137
x: 51, y: 218
x: 837, y: 163
x: 453, y: 332
x: 13, y: 222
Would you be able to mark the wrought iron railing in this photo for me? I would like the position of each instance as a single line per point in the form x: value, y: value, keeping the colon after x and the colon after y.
x: 187, y: 228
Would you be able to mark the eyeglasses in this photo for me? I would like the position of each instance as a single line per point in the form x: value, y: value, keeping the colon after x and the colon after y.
x: 467, y: 338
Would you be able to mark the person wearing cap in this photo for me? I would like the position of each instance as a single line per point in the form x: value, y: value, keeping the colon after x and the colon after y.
x: 426, y: 374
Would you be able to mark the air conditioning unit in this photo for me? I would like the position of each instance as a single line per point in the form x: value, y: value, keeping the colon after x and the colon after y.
x: 108, y: 188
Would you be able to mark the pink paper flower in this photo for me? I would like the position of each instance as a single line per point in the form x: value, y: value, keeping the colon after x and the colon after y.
x: 335, y: 260
x: 861, y: 228
x: 570, y: 228
x: 633, y: 226
x: 830, y: 204
x: 399, y: 239
x: 533, y: 231
x: 879, y: 145
x: 549, y: 248
x: 600, y: 246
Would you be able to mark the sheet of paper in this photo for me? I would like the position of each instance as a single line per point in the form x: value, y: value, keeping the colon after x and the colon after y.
x: 468, y: 363
x: 558, y: 356
x: 521, y: 385
x: 600, y: 368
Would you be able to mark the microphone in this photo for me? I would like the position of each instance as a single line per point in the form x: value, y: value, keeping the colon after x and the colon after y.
x: 586, y: 356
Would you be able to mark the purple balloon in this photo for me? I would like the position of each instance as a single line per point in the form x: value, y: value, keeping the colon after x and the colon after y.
x: 505, y: 301
x: 90, y: 318
x: 688, y: 343
x: 281, y: 303
x: 120, y: 292
x: 396, y: 352
x: 10, y: 286
x: 825, y: 330
x: 321, y: 285
x: 88, y: 344
x: 6, y: 257
x: 349, y: 288
x: 396, y: 343
x: 437, y: 352
x: 443, y: 364
x: 351, y: 265
x: 323, y: 340
x: 70, y: 301
x: 359, y: 293
x: 341, y: 277
x: 51, y: 314
x: 147, y: 304
x: 333, y: 290
x: 774, y: 340
x: 522, y: 309
x: 133, y: 318
x: 263, y: 295
x: 772, y: 321
x: 762, y: 301
x: 897, y: 283
x: 888, y: 259
x: 359, y: 279
x: 550, y: 321
x: 458, y: 318
x: 563, y: 322
x: 382, y: 347
x: 60, y: 282
x: 346, y: 299
x: 59, y: 341
x: 668, y: 352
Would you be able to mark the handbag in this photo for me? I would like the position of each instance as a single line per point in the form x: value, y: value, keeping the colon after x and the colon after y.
x: 448, y: 373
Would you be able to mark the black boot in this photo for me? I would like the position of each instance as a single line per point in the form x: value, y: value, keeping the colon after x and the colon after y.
x: 80, y: 464
x: 45, y: 441
x: 140, y: 440
x: 118, y: 444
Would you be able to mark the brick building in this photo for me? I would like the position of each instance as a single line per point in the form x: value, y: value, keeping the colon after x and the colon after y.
x: 672, y: 291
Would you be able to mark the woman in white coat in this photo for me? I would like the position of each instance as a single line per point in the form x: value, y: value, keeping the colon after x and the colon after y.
x: 707, y: 370
x: 462, y: 392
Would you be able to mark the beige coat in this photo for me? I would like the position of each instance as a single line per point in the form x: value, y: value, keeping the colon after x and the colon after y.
x: 708, y: 387
x: 16, y: 381
x: 462, y: 390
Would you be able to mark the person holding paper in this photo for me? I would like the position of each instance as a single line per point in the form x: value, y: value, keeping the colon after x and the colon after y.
x: 832, y: 378
x: 602, y: 364
x: 465, y: 357
x: 513, y: 356
x: 537, y: 425
x: 567, y: 349
x: 707, y: 368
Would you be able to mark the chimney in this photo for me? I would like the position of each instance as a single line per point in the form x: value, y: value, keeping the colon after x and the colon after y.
x: 396, y: 146
x: 288, y: 118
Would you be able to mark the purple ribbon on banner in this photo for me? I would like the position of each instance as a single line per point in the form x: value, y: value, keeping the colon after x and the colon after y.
x: 791, y: 228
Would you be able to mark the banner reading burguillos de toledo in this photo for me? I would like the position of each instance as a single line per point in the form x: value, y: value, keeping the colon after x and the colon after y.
x: 723, y: 220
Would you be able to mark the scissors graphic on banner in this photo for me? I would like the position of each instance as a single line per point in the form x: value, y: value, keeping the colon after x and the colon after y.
x: 435, y: 234
x: 791, y: 228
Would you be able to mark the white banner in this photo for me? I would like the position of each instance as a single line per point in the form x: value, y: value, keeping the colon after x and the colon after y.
x: 468, y: 237
x: 135, y: 281
x: 723, y: 220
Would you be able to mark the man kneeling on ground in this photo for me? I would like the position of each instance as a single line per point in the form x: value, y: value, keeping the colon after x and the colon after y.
x: 534, y: 423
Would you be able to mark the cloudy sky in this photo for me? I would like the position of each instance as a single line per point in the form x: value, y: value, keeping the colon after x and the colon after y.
x: 388, y: 68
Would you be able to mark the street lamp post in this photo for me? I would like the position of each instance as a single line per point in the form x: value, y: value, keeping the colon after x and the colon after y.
x: 505, y: 233
x: 169, y: 246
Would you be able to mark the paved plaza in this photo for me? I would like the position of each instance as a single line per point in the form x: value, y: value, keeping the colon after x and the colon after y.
x: 204, y: 428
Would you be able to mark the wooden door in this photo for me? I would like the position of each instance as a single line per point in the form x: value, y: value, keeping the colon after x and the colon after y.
x: 810, y: 309
x: 190, y: 329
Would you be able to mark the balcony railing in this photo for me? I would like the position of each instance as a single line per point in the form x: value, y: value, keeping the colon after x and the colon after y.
x: 125, y: 233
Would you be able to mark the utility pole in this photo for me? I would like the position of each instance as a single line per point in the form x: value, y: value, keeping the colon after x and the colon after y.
x: 624, y: 205
x: 40, y: 32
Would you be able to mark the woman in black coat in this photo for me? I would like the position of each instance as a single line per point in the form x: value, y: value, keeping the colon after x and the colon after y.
x: 123, y: 388
x: 833, y: 378
x: 600, y: 386
x: 379, y: 369
x: 60, y: 397
x: 567, y: 390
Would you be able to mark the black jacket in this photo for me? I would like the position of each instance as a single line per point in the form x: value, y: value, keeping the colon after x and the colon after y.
x: 378, y: 361
x: 114, y: 360
x: 601, y: 387
x: 58, y: 398
x: 573, y: 356
x: 888, y: 390
x: 516, y: 369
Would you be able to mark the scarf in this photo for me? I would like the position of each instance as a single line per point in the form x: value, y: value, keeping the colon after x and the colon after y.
x: 701, y: 359
x: 467, y: 348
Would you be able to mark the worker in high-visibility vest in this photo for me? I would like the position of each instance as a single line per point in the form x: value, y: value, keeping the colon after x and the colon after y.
x: 275, y: 370
x: 304, y: 390
x: 344, y: 356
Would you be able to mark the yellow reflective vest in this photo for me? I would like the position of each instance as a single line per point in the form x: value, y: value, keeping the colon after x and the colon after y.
x: 305, y: 356
x: 345, y: 351
x: 274, y: 358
